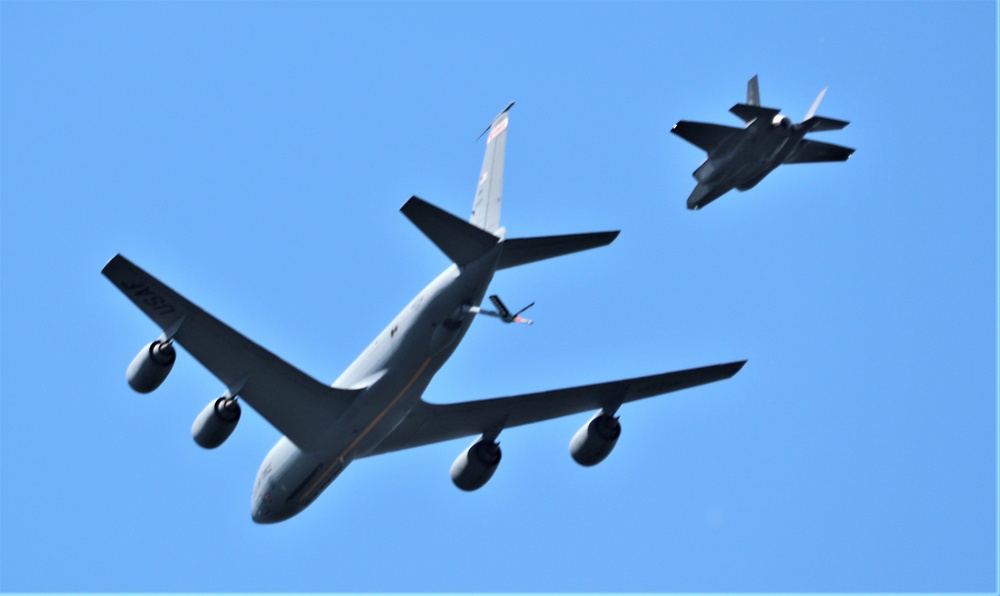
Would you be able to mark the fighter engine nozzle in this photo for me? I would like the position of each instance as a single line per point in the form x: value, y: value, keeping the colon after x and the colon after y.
x: 782, y: 124
x: 782, y: 121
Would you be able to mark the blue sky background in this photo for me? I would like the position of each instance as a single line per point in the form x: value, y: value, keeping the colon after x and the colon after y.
x: 254, y: 157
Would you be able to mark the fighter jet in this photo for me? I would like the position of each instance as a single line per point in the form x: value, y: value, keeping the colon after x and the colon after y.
x: 376, y: 405
x: 741, y: 157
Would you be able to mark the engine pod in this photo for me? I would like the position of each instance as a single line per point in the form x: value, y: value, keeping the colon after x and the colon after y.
x: 592, y: 443
x: 216, y: 422
x: 151, y: 366
x: 475, y: 466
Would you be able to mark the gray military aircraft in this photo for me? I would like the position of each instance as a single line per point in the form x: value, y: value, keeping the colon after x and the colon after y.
x: 375, y: 406
x: 741, y: 157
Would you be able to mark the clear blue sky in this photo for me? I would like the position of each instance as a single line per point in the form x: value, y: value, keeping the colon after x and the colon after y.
x: 254, y: 156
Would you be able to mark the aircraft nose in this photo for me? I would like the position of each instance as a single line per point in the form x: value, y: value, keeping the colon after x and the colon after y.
x: 267, y: 510
x: 262, y: 510
x: 263, y: 516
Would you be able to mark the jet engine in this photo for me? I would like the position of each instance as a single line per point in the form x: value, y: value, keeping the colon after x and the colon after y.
x: 592, y: 443
x: 216, y: 422
x: 475, y: 466
x: 151, y: 366
x: 782, y: 125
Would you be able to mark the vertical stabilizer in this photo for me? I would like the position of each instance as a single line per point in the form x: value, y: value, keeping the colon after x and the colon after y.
x: 815, y: 106
x: 753, y: 92
x: 489, y: 192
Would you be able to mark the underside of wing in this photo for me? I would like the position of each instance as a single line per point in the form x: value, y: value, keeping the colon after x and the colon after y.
x: 816, y: 151
x: 703, y: 134
x: 433, y: 423
x: 299, y: 406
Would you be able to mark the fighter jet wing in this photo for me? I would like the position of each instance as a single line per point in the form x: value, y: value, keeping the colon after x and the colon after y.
x: 299, y: 406
x: 814, y: 151
x: 432, y: 423
x: 703, y: 134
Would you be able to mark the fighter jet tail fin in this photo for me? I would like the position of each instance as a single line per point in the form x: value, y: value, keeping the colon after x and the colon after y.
x: 815, y: 106
x: 748, y: 113
x: 815, y: 151
x: 820, y: 123
x: 753, y: 92
x: 751, y: 110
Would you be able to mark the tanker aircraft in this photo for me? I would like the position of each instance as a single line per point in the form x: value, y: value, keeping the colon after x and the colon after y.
x: 375, y: 406
x: 741, y: 157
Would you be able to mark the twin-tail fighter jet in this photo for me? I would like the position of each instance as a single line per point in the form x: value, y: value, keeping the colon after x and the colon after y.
x: 741, y: 157
x: 375, y: 406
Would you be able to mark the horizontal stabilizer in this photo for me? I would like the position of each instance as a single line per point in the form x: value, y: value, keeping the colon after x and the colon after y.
x: 820, y: 124
x: 703, y: 135
x: 461, y: 241
x: 520, y: 251
x: 749, y: 113
x: 815, y: 151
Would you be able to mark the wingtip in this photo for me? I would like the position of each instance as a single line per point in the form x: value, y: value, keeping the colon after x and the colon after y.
x: 608, y: 237
x: 735, y: 367
x: 411, y: 202
x: 112, y: 262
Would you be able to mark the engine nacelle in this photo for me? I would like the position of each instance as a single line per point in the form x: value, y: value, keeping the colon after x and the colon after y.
x: 151, y: 366
x: 592, y: 443
x: 475, y: 466
x: 216, y: 422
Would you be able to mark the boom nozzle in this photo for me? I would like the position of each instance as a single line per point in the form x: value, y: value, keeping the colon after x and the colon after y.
x: 502, y: 312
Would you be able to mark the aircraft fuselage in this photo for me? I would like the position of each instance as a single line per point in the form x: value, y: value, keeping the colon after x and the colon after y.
x: 743, y: 160
x: 394, y: 371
